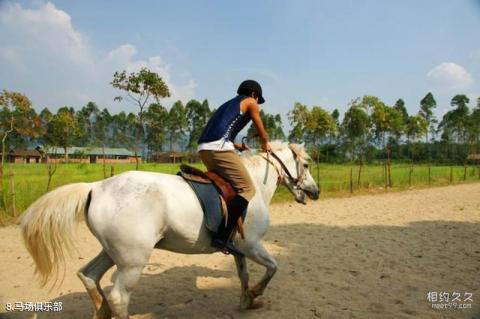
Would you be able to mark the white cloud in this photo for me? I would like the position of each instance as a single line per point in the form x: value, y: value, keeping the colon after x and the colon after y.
x: 44, y: 56
x: 451, y: 75
x: 47, y: 29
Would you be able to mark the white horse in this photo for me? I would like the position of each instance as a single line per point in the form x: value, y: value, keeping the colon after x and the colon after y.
x: 134, y: 212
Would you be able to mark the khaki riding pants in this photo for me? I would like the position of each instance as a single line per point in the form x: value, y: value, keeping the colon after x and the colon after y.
x: 229, y: 165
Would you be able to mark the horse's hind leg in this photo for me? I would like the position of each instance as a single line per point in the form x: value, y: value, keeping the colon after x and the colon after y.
x: 130, y: 261
x: 261, y: 256
x: 245, y: 299
x: 90, y: 275
x: 126, y: 280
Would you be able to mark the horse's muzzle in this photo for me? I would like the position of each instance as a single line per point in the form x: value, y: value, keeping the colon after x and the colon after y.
x: 313, y: 194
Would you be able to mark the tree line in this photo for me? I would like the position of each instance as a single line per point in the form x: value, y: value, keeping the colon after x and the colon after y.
x: 369, y: 129
x: 372, y: 130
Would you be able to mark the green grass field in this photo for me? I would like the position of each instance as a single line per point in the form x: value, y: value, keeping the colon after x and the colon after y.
x: 30, y: 180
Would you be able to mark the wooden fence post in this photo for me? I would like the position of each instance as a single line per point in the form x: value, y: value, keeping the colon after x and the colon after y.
x: 429, y: 175
x: 112, y: 171
x: 351, y: 180
x: 478, y: 172
x: 51, y: 170
x: 385, y: 177
x: 12, y: 193
x: 389, y: 175
x: 410, y: 176
x: 451, y: 174
x: 360, y: 173
x: 464, y: 172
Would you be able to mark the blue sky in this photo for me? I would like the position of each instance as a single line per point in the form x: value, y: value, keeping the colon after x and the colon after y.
x: 316, y: 52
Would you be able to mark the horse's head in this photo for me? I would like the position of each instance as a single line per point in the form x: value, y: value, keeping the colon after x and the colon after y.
x: 297, y: 178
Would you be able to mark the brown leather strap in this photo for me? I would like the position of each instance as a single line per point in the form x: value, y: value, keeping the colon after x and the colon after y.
x: 280, y: 176
x: 295, y: 180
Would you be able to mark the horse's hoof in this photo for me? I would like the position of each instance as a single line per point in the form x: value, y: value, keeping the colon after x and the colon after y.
x: 246, y: 301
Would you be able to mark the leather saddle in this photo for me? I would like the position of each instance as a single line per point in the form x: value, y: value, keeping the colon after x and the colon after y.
x: 224, y: 193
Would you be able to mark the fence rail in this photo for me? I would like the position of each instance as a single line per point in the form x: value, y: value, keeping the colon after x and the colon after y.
x: 345, y: 178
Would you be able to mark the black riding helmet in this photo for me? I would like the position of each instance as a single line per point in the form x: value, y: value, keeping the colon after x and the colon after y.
x: 249, y: 86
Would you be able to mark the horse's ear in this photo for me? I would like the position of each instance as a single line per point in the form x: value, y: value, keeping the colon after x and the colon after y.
x: 295, y: 150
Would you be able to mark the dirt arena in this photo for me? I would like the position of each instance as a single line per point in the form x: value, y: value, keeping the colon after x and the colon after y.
x: 360, y: 257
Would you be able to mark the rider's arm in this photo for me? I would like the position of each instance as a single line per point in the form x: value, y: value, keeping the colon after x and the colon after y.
x: 257, y: 121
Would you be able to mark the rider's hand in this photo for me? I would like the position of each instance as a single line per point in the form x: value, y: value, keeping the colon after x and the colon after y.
x: 266, y: 147
x: 241, y: 147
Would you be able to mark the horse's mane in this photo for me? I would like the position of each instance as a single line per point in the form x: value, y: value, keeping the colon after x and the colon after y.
x: 277, y: 147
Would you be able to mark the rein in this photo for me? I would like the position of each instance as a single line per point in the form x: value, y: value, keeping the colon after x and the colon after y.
x: 279, y: 173
x: 284, y: 167
x: 295, y: 180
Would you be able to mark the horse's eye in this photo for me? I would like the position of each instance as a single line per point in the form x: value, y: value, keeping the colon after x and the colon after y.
x: 305, y: 165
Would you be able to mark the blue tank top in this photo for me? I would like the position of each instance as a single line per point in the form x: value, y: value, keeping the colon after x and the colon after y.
x: 226, y: 122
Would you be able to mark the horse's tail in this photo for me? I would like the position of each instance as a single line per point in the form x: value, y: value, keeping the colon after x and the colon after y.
x: 48, y: 226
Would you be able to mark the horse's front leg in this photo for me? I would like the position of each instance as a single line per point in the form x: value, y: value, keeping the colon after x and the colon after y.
x: 246, y: 298
x: 261, y: 256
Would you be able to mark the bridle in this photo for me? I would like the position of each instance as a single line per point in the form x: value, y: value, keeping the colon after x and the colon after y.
x: 297, y: 181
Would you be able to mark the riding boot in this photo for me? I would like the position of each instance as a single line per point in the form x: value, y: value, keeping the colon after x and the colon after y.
x: 221, y: 240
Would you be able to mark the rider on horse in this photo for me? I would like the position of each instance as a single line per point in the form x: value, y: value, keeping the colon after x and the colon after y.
x: 217, y: 151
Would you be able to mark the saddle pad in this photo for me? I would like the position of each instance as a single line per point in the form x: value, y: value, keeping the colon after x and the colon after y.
x: 209, y: 199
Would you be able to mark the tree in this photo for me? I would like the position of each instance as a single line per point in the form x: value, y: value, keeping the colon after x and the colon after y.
x: 378, y: 116
x: 455, y: 122
x: 278, y: 133
x: 86, y: 117
x: 474, y: 128
x: 395, y: 128
x: 387, y: 122
x: 455, y: 127
x: 101, y: 127
x: 97, y: 125
x: 320, y: 124
x: 417, y: 127
x: 197, y: 117
x: 63, y: 129
x: 403, y: 117
x: 427, y: 104
x: 298, y: 120
x: 122, y: 134
x: 396, y: 121
x: 156, y: 119
x: 399, y: 106
x: 356, y: 127
x: 16, y: 117
x: 336, y: 116
x: 177, y: 123
x: 272, y: 124
x: 140, y: 87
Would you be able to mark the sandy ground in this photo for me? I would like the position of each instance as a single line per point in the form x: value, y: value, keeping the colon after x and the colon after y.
x: 359, y: 257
